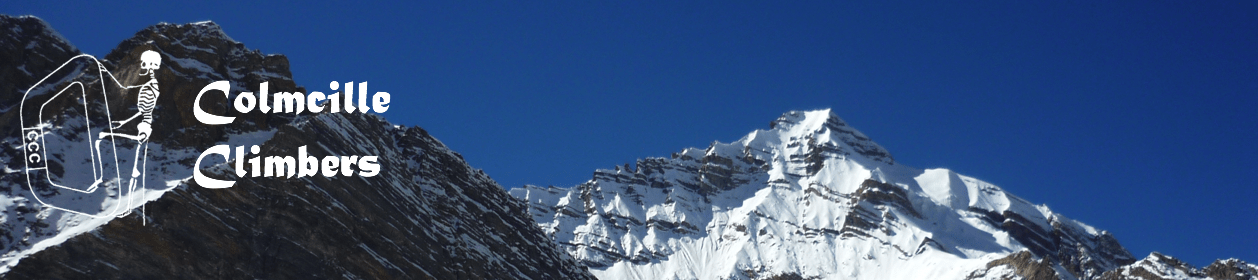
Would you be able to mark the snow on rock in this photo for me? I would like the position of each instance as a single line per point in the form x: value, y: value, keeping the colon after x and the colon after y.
x: 1159, y: 266
x: 814, y: 198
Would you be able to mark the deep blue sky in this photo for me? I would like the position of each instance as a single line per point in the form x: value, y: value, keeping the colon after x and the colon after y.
x: 1136, y: 117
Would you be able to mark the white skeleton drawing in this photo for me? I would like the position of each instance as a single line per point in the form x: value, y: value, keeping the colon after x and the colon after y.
x: 150, y: 62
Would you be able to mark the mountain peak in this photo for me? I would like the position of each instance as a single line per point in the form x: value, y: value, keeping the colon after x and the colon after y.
x: 194, y: 30
x: 809, y: 198
x: 805, y: 119
x: 27, y: 45
x: 33, y: 28
x: 822, y: 129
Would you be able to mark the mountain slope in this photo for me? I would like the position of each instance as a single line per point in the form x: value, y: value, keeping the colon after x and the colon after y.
x: 427, y: 215
x: 811, y: 198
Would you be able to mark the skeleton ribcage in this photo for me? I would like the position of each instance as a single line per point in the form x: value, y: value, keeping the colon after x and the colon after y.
x: 147, y: 100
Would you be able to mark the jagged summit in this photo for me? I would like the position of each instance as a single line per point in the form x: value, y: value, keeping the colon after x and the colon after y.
x: 826, y: 129
x: 204, y: 50
x: 197, y: 29
x: 30, y: 40
x: 803, y: 138
x: 28, y: 26
x: 809, y: 121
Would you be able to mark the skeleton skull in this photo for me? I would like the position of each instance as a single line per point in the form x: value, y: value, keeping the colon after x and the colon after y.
x: 150, y: 61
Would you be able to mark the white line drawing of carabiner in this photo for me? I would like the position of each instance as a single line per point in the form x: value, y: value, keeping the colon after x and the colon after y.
x: 48, y: 171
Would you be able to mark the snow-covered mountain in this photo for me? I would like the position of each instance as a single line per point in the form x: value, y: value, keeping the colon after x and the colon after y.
x: 426, y: 215
x: 813, y: 198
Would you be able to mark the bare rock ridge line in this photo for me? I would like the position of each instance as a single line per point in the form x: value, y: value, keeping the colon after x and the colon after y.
x: 813, y: 198
x: 428, y: 215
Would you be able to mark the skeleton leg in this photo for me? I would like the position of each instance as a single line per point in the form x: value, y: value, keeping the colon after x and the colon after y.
x: 100, y: 161
x: 128, y: 136
x: 141, y: 148
x: 99, y: 157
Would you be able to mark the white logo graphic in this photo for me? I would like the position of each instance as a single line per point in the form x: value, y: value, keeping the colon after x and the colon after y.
x: 67, y: 113
x: 68, y: 130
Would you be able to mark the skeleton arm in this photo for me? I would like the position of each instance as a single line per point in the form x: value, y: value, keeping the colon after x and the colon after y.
x: 122, y: 122
x: 111, y: 76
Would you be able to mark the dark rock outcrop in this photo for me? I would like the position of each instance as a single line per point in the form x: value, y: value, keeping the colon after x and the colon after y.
x: 426, y: 215
x: 1023, y: 264
x: 1158, y: 266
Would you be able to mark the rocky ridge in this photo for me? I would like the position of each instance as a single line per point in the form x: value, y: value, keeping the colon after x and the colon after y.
x: 813, y: 198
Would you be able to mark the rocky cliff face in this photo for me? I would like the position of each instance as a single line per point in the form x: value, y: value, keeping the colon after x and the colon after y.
x: 812, y: 198
x: 427, y: 215
x: 1159, y: 266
